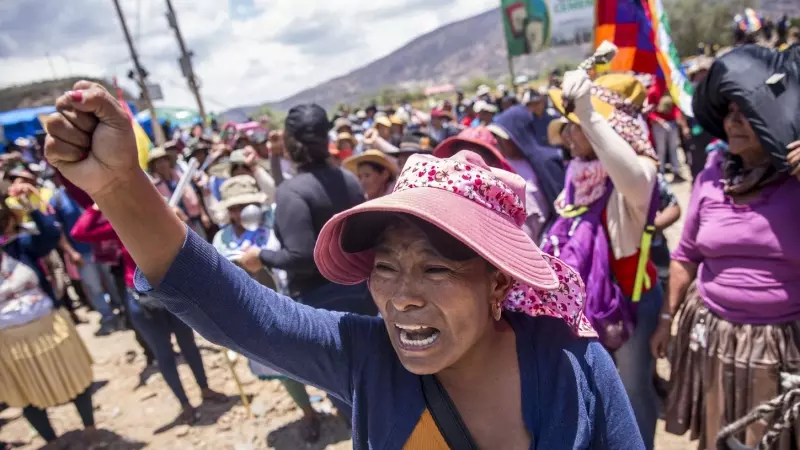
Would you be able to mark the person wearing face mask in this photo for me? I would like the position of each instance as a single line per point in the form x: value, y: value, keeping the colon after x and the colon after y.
x: 734, y: 276
x: 43, y: 361
x: 479, y: 329
x: 248, y: 227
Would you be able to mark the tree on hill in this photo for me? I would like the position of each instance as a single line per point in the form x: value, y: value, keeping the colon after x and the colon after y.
x: 709, y: 22
x: 42, y: 93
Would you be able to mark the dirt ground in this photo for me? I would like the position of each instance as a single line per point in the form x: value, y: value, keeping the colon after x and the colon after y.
x: 135, y: 411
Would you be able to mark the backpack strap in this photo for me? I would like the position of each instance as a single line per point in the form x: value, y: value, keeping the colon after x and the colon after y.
x: 446, y: 415
x: 642, y: 281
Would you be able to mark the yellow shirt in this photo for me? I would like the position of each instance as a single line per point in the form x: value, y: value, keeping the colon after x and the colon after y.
x: 40, y: 202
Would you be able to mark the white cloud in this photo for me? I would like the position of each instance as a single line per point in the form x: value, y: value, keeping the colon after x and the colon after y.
x: 284, y: 47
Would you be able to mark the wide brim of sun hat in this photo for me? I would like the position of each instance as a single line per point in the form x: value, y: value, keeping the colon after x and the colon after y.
x: 156, y: 153
x: 346, y: 137
x: 494, y: 237
x: 371, y: 156
x: 244, y: 199
x: 554, y: 131
x: 605, y: 109
x: 383, y: 120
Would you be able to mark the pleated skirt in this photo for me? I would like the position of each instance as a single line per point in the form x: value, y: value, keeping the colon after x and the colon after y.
x: 43, y: 363
x: 722, y: 370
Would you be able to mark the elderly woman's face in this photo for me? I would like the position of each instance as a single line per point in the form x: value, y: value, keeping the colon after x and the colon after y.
x: 577, y: 143
x: 742, y: 140
x: 435, y: 309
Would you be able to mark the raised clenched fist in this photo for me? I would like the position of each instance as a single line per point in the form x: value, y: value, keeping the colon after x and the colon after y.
x: 90, y: 139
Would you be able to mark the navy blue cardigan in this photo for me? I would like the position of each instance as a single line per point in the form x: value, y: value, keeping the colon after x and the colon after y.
x: 572, y: 396
x: 28, y: 248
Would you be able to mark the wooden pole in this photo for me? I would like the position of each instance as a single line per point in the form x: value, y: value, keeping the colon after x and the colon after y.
x: 158, y: 133
x: 186, y: 61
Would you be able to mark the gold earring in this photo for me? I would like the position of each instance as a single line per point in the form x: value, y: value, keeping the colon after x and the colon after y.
x: 497, y: 310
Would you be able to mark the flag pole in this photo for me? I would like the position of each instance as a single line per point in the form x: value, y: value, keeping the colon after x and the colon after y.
x: 511, y: 73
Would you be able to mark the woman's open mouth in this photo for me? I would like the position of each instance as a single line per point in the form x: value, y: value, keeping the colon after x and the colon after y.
x: 417, y: 337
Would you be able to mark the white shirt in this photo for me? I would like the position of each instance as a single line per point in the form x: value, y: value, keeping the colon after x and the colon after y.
x: 22, y: 300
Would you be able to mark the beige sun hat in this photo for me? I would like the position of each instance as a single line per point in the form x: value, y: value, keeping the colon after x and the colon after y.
x: 371, y: 156
x: 241, y: 190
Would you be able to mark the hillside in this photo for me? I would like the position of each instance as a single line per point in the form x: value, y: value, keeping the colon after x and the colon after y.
x: 43, y: 93
x: 456, y: 53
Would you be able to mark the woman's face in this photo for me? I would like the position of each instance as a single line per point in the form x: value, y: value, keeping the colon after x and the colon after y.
x: 345, y: 145
x: 384, y: 131
x: 240, y: 169
x: 577, y: 144
x: 397, y: 129
x: 372, y: 180
x: 162, y: 167
x: 435, y: 309
x: 235, y: 213
x: 742, y: 140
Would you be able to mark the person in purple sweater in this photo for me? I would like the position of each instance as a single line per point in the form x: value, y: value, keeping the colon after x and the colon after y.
x: 735, y: 275
x: 482, y: 341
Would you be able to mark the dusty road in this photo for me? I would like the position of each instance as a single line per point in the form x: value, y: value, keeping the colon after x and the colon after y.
x: 135, y: 412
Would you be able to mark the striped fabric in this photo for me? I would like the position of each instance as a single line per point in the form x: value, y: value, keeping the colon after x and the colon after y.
x: 625, y: 23
x: 640, y: 29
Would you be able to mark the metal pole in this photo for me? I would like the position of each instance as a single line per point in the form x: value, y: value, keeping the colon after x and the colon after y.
x: 158, y: 133
x: 186, y: 61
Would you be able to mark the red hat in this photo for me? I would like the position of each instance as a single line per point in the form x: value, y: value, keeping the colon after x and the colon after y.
x: 479, y: 136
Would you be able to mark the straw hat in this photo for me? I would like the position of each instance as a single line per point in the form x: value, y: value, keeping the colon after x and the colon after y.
x: 619, y: 98
x: 156, y: 153
x: 371, y: 156
x: 241, y: 190
x: 458, y: 200
x: 346, y: 137
x: 397, y: 119
x: 383, y: 120
x: 341, y: 123
x: 554, y: 129
x: 625, y: 90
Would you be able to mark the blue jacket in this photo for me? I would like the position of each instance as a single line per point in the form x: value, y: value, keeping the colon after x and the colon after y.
x: 29, y: 248
x: 572, y: 397
x: 547, y: 163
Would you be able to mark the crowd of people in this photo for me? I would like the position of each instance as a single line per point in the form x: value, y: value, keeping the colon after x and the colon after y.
x: 491, y: 273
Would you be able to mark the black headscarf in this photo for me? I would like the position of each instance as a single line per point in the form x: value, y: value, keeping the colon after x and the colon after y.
x: 773, y: 109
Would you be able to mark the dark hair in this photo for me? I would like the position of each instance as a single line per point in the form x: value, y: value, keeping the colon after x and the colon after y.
x: 6, y: 216
x: 306, y: 134
x: 375, y: 166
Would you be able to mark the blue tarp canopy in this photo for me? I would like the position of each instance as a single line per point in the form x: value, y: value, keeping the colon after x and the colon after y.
x: 25, y: 122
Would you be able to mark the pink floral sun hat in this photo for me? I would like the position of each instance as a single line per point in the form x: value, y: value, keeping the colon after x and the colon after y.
x: 481, y: 207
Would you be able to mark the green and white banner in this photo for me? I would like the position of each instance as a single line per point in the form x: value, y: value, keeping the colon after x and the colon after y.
x: 532, y: 25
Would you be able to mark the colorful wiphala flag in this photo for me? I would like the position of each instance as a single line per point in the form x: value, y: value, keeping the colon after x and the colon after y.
x: 669, y: 60
x: 640, y: 29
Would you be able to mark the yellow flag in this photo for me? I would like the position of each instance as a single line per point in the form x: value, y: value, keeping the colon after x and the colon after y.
x: 143, y: 143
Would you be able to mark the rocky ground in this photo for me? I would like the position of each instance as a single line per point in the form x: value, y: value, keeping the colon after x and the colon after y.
x: 135, y: 410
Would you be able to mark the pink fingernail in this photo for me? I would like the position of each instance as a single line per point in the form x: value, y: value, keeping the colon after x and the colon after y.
x: 76, y: 96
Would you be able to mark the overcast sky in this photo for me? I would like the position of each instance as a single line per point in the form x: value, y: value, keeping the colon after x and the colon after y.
x: 247, y: 51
